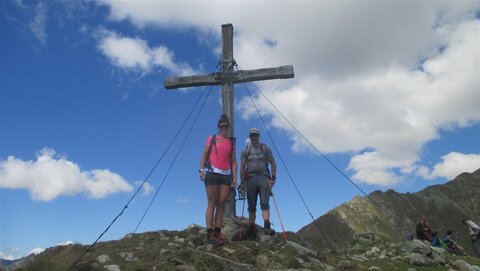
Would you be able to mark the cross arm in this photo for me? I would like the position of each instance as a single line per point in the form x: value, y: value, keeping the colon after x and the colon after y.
x: 218, y: 78
x: 192, y: 81
x: 282, y: 72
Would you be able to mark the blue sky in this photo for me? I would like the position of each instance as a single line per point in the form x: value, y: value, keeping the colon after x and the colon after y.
x: 388, y: 91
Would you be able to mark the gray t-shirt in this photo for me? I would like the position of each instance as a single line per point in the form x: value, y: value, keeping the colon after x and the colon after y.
x: 256, y: 162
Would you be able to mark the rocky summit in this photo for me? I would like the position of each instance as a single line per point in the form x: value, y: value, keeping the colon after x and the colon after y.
x: 187, y: 250
x: 394, y: 215
x: 367, y: 233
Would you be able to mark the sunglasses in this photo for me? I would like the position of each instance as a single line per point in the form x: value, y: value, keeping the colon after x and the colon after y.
x: 253, y: 135
x: 223, y: 126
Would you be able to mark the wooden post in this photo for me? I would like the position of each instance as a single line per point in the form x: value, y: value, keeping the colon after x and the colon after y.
x: 228, y: 93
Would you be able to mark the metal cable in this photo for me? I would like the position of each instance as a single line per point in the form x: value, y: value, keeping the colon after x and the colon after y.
x: 173, y: 162
x: 146, y: 178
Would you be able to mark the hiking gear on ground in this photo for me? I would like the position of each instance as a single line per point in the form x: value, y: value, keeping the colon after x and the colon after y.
x: 243, y: 212
x: 241, y: 193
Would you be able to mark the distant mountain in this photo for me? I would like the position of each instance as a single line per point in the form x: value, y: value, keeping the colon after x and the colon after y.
x: 16, y: 264
x: 394, y: 215
x: 5, y: 263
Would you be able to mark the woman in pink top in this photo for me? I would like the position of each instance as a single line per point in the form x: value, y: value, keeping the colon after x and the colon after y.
x: 218, y: 169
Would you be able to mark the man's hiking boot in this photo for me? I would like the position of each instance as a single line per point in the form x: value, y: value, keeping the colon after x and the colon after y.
x: 268, y: 230
x: 251, y: 233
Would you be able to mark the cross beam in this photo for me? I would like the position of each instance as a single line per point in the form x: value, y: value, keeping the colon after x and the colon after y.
x: 218, y: 78
x: 227, y: 78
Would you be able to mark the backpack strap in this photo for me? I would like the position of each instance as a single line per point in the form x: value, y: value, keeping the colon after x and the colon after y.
x: 208, y: 163
x: 263, y: 148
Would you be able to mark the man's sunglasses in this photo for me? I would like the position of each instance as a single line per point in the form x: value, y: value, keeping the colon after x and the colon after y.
x: 253, y: 135
x: 223, y: 126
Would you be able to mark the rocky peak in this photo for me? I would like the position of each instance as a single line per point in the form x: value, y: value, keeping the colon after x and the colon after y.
x: 187, y: 250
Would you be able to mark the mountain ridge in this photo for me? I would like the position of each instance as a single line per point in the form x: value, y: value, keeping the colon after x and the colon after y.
x: 394, y: 215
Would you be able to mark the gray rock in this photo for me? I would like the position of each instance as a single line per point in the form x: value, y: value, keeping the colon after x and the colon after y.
x: 230, y: 251
x: 112, y: 267
x: 374, y: 251
x: 179, y: 240
x: 275, y: 265
x: 439, y: 258
x: 267, y: 240
x: 262, y: 261
x: 419, y: 247
x: 420, y: 259
x: 302, y: 249
x: 128, y: 256
x: 463, y: 266
x: 103, y: 258
x: 345, y: 264
x: 186, y: 268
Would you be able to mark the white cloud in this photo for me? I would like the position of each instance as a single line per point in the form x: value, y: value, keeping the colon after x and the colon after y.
x: 38, y: 24
x: 49, y: 177
x: 147, y: 187
x: 183, y: 200
x: 452, y: 164
x: 7, y: 256
x: 136, y: 54
x: 375, y: 79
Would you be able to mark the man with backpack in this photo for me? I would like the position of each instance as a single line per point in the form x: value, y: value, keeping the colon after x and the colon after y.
x: 256, y: 179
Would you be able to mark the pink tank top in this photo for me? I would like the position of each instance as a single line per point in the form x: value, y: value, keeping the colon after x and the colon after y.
x: 220, y: 153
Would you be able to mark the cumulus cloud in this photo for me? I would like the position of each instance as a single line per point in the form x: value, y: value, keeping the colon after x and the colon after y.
x: 136, y: 54
x: 182, y: 200
x: 38, y: 24
x: 147, y: 187
x: 50, y: 176
x: 377, y: 80
x: 452, y: 164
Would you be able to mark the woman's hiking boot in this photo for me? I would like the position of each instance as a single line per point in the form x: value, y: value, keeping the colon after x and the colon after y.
x: 216, y: 239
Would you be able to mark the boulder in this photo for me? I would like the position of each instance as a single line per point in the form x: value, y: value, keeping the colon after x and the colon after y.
x: 420, y: 260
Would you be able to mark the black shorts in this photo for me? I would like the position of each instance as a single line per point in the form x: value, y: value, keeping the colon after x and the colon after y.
x: 213, y: 178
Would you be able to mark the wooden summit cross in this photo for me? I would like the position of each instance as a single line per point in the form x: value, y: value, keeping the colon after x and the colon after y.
x: 227, y: 77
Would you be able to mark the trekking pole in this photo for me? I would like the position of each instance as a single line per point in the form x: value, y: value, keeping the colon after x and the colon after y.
x: 278, y: 213
x: 243, y: 212
x: 243, y: 219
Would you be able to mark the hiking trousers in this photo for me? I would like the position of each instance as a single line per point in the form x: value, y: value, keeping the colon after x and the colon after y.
x: 257, y: 185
